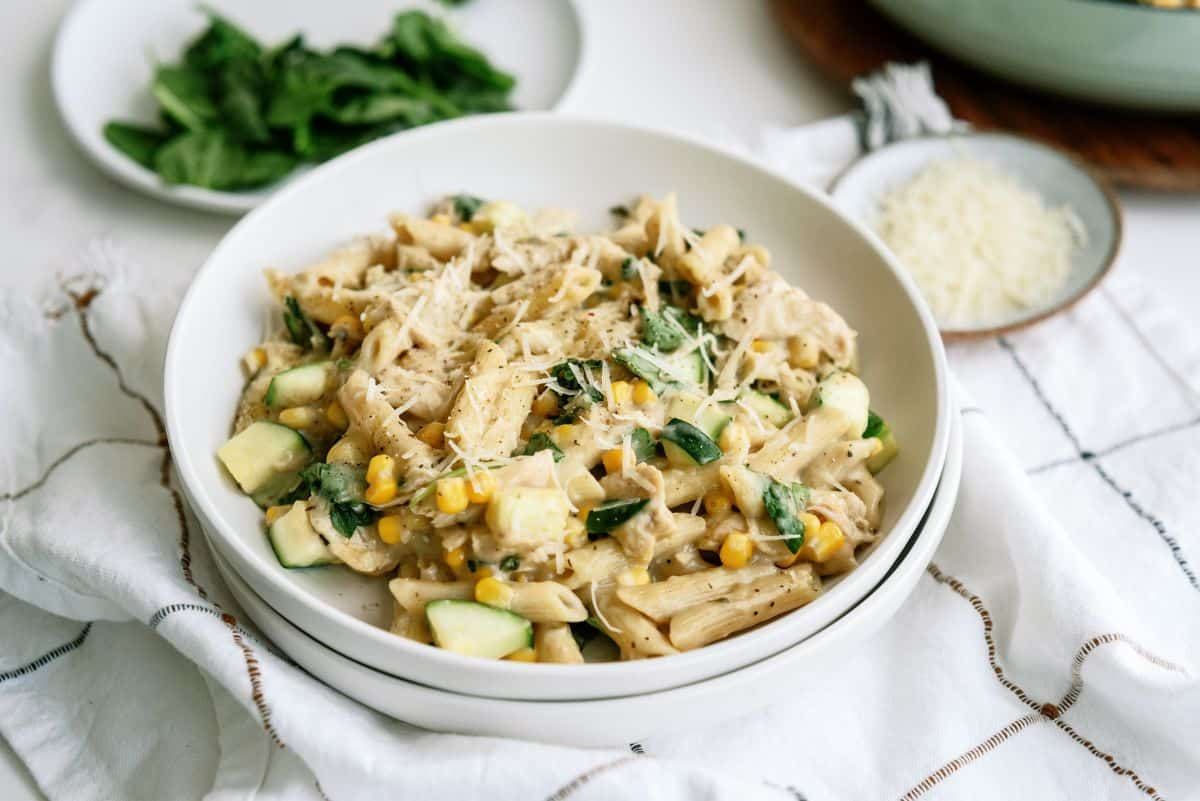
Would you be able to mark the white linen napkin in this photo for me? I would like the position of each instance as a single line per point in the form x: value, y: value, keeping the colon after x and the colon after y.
x: 1052, y: 651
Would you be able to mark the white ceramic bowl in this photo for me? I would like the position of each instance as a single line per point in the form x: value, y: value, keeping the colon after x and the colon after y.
x: 614, y: 722
x: 534, y: 160
x: 106, y: 51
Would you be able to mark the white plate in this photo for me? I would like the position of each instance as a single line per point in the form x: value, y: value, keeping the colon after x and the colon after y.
x: 621, y: 720
x: 535, y: 160
x: 1058, y: 178
x: 105, y: 53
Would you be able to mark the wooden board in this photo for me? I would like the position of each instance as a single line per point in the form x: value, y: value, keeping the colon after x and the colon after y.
x: 848, y: 38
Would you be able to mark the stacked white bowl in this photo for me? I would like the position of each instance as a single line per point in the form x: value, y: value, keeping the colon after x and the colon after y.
x: 333, y: 621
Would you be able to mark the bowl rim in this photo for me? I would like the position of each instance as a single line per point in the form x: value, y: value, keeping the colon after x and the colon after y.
x: 209, y: 510
x: 1100, y: 182
x: 219, y: 201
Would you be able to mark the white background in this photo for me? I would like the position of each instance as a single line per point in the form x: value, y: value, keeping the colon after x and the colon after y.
x: 715, y: 67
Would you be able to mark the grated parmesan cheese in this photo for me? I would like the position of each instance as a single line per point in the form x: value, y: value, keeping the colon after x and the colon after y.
x: 980, y: 246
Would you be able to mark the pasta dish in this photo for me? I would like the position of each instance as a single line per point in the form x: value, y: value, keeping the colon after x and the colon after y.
x: 561, y: 446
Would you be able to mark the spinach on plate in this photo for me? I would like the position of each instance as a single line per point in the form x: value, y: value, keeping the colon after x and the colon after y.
x: 236, y: 114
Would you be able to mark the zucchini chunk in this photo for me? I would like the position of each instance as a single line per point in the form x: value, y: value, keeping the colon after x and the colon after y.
x: 264, y: 455
x: 611, y: 514
x: 474, y: 629
x: 768, y: 409
x: 687, y: 445
x: 847, y: 394
x: 295, y: 542
x: 878, y: 428
x: 298, y: 386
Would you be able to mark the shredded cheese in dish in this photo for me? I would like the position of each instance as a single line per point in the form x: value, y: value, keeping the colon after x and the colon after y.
x: 561, y: 446
x: 981, y: 246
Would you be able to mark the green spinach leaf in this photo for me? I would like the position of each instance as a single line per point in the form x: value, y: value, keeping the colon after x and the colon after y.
x: 135, y: 141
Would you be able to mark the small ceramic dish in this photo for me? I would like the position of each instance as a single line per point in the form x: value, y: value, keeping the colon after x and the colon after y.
x: 615, y: 722
x: 106, y: 51
x: 538, y: 160
x: 1057, y: 178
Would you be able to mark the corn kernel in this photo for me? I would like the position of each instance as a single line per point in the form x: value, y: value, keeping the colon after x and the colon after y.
x: 575, y: 533
x: 633, y: 577
x: 276, y: 512
x: 493, y: 592
x: 298, y: 417
x: 613, y: 460
x: 484, y: 572
x: 546, y: 404
x: 348, y: 325
x: 622, y: 391
x: 433, y: 434
x: 391, y: 529
x: 523, y: 655
x: 480, y: 487
x: 336, y: 415
x: 256, y: 359
x: 381, y: 492
x: 563, y: 434
x: 812, y: 527
x: 761, y: 345
x: 717, y: 502
x: 466, y: 226
x: 643, y: 394
x: 827, y: 541
x: 455, y: 558
x: 452, y: 495
x: 381, y: 468
x: 736, y: 550
x: 440, y: 219
x: 583, y: 512
x: 803, y: 352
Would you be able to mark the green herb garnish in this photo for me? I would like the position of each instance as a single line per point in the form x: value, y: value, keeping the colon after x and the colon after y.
x: 643, y: 444
x: 465, y: 206
x: 541, y: 441
x: 343, y: 487
x: 238, y: 115
x: 784, y: 504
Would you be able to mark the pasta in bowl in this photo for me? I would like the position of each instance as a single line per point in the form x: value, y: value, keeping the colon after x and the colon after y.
x: 622, y: 445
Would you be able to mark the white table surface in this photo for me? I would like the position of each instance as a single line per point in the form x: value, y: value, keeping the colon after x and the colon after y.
x: 713, y: 67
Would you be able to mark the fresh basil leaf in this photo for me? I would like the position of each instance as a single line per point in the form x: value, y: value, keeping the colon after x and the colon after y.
x: 201, y: 158
x: 874, y: 425
x: 643, y: 444
x: 465, y: 206
x: 241, y: 86
x: 184, y: 95
x: 346, y: 517
x: 264, y: 167
x: 564, y: 376
x: 135, y: 141
x: 220, y: 43
x: 784, y: 504
x: 376, y: 108
x: 336, y: 483
x: 303, y: 331
x: 658, y: 333
x: 542, y: 442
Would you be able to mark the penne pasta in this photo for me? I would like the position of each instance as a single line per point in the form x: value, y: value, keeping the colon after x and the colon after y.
x: 527, y: 428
